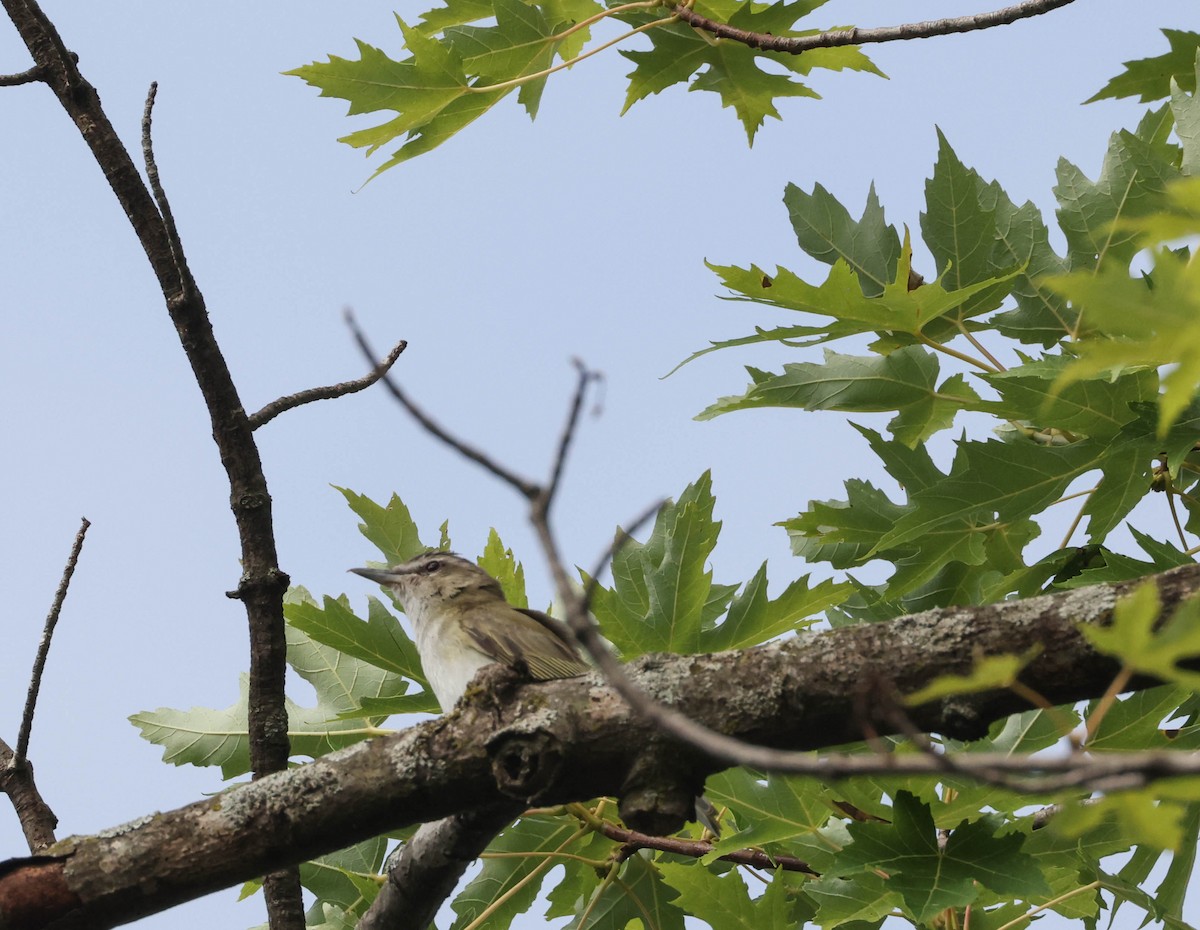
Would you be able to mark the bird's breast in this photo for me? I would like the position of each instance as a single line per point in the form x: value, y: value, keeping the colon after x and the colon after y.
x: 449, y: 658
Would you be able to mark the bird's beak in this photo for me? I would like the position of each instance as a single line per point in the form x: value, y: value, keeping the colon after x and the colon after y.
x: 380, y: 575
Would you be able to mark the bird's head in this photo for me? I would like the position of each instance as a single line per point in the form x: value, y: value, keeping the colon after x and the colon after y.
x: 434, y: 579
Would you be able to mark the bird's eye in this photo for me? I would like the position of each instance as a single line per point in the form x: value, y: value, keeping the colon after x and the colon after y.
x: 431, y: 566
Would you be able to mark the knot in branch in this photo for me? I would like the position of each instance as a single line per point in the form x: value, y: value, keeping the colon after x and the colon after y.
x: 526, y: 762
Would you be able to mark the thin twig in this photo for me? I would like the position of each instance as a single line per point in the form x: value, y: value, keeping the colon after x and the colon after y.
x: 39, y: 663
x: 525, y: 487
x: 329, y: 392
x: 160, y: 196
x: 29, y: 76
x: 794, y: 45
x: 696, y: 849
x: 622, y: 537
x: 568, y: 434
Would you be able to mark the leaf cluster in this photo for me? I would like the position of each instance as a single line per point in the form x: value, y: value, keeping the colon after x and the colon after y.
x: 465, y: 57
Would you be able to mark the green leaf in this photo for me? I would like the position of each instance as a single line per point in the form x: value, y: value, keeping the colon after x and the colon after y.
x: 768, y: 808
x: 1133, y: 639
x: 825, y: 230
x: 380, y: 642
x: 1131, y: 184
x: 1150, y: 78
x: 1140, y: 817
x: 514, y: 878
x: 347, y: 878
x: 724, y: 901
x: 964, y: 228
x: 865, y: 897
x: 432, y: 92
x: 988, y: 673
x: 390, y: 528
x: 1141, y: 323
x: 931, y: 879
x: 206, y: 736
x: 731, y: 69
x: 455, y: 13
x: 1185, y: 109
x: 663, y: 598
x: 905, y: 381
x: 990, y: 481
x: 754, y: 618
x: 1140, y: 898
x: 1134, y: 723
x: 502, y: 565
x: 519, y: 44
x: 1097, y: 406
x: 639, y: 894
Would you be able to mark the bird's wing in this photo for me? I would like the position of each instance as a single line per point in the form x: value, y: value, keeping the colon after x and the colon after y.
x: 530, y: 640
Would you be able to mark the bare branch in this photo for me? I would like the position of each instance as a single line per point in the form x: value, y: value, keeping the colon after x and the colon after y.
x: 36, y: 818
x: 330, y: 392
x: 523, y: 486
x: 160, y: 196
x: 586, y: 376
x: 262, y: 584
x: 426, y: 869
x: 39, y: 662
x: 794, y: 45
x: 29, y: 76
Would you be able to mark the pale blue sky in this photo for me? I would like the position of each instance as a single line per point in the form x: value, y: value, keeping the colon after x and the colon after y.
x: 499, y: 257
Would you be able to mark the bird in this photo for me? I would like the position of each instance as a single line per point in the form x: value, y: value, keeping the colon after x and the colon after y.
x: 462, y: 621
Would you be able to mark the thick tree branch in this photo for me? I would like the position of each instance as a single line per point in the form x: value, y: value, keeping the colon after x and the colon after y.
x: 794, y: 45
x: 576, y: 739
x: 329, y: 392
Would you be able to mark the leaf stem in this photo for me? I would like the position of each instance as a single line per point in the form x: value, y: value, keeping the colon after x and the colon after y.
x: 603, y: 14
x: 980, y: 347
x: 537, y: 870
x: 954, y: 353
x: 525, y: 78
x: 1104, y: 705
x: 1091, y: 886
x: 1075, y: 523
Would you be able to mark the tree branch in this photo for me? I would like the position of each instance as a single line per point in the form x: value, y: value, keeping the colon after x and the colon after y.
x: 262, y: 585
x: 329, y: 392
x: 429, y: 865
x: 794, y: 45
x: 523, y: 486
x: 632, y: 841
x: 575, y: 739
x: 29, y: 76
x: 34, y: 814
x: 39, y: 662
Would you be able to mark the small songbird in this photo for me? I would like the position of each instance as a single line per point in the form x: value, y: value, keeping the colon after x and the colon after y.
x: 462, y: 622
